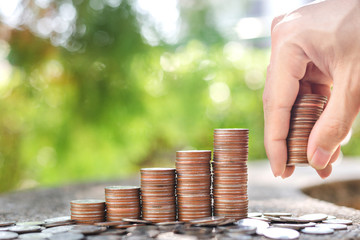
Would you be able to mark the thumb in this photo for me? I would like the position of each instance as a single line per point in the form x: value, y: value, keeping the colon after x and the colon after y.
x: 333, y: 125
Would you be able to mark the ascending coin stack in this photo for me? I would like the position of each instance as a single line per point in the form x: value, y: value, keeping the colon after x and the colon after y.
x: 122, y: 202
x: 87, y: 211
x: 193, y: 184
x: 230, y: 172
x: 158, y: 194
x: 304, y: 114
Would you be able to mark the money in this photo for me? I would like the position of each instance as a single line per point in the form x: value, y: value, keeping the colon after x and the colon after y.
x: 8, y: 235
x: 281, y: 233
x: 158, y: 194
x: 230, y: 172
x: 122, y: 202
x: 193, y: 184
x: 318, y: 230
x: 304, y: 114
x: 87, y: 211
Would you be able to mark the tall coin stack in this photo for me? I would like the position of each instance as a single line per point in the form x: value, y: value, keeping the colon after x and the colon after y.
x: 193, y: 184
x: 158, y: 194
x: 122, y: 202
x: 304, y: 114
x: 87, y: 211
x: 230, y: 172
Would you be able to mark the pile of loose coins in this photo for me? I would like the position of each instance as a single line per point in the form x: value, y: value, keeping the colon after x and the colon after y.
x: 304, y: 114
x: 268, y: 225
x: 87, y: 211
x: 158, y: 194
x: 193, y: 184
x: 230, y: 172
x: 122, y: 202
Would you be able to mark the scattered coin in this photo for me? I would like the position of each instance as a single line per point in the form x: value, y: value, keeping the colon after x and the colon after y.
x: 317, y: 230
x: 281, y: 233
x: 294, y: 226
x: 59, y: 229
x: 106, y: 237
x: 67, y: 236
x: 37, y: 223
x: 8, y: 223
x: 241, y: 229
x: 25, y: 229
x: 88, y: 229
x: 8, y: 235
x: 35, y: 236
x: 338, y: 221
x: 169, y: 223
x: 294, y: 220
x: 174, y: 236
x: 130, y: 220
x: 260, y: 225
x: 335, y: 226
x: 58, y: 219
x: 254, y: 214
x: 314, y: 217
x: 330, y: 217
x: 277, y: 214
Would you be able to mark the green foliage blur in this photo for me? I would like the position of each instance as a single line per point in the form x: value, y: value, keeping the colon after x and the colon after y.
x: 110, y: 103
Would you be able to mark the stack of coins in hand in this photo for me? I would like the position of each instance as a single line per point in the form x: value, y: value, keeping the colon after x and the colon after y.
x: 158, y: 194
x: 230, y: 172
x: 122, y: 202
x: 87, y: 211
x: 193, y: 184
x: 304, y: 114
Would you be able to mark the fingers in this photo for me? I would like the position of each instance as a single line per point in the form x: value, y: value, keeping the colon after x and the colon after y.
x: 333, y: 125
x: 288, y: 172
x: 276, y: 20
x: 287, y: 66
x: 324, y: 173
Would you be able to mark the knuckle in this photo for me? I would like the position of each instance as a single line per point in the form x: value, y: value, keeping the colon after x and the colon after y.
x: 337, y: 129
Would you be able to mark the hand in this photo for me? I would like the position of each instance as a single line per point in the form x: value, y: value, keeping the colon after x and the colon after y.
x: 314, y: 48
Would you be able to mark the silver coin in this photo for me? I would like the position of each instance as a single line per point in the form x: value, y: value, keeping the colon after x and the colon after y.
x: 277, y: 214
x: 8, y: 235
x: 314, y: 217
x: 335, y: 226
x: 241, y: 229
x: 88, y: 229
x: 35, y: 236
x: 294, y: 226
x: 294, y: 220
x: 174, y: 236
x: 260, y: 225
x: 37, y: 223
x: 25, y: 229
x: 67, y: 236
x: 317, y: 230
x: 102, y: 237
x: 8, y: 223
x: 330, y: 217
x: 58, y: 219
x: 338, y: 221
x: 254, y: 214
x: 281, y: 233
x: 261, y: 218
x: 59, y: 229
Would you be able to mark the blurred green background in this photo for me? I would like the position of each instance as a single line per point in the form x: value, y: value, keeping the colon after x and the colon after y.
x: 94, y: 90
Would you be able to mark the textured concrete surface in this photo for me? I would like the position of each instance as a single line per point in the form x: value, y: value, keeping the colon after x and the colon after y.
x: 266, y: 194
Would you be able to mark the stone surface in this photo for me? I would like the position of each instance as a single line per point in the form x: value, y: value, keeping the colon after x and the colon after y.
x: 266, y: 193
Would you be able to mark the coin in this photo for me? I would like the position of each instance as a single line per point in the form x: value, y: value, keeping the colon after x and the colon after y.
x: 317, y: 230
x: 254, y: 214
x: 281, y: 233
x: 25, y: 229
x: 314, y: 217
x: 260, y: 225
x: 37, y: 223
x: 295, y: 226
x: 8, y: 235
x: 88, y: 229
x: 7, y: 223
x: 37, y: 236
x: 335, y: 226
x: 294, y: 220
x: 338, y: 221
x: 277, y: 214
x: 59, y: 229
x: 67, y: 236
x: 304, y: 114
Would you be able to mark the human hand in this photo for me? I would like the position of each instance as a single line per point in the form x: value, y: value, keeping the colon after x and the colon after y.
x: 314, y: 48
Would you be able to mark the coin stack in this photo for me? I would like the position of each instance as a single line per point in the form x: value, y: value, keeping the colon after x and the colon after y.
x: 193, y: 184
x: 87, y: 211
x: 122, y: 202
x: 158, y: 194
x: 304, y: 114
x: 230, y: 172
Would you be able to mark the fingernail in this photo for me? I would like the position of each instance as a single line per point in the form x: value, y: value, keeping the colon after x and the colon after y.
x: 320, y: 158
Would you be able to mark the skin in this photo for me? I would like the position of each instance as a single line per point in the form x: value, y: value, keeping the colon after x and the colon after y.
x: 315, y: 49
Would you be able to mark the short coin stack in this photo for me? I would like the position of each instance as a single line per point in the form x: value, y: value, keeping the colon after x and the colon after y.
x: 122, y: 202
x: 87, y: 211
x: 230, y: 172
x: 304, y: 114
x: 158, y: 194
x: 193, y: 184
